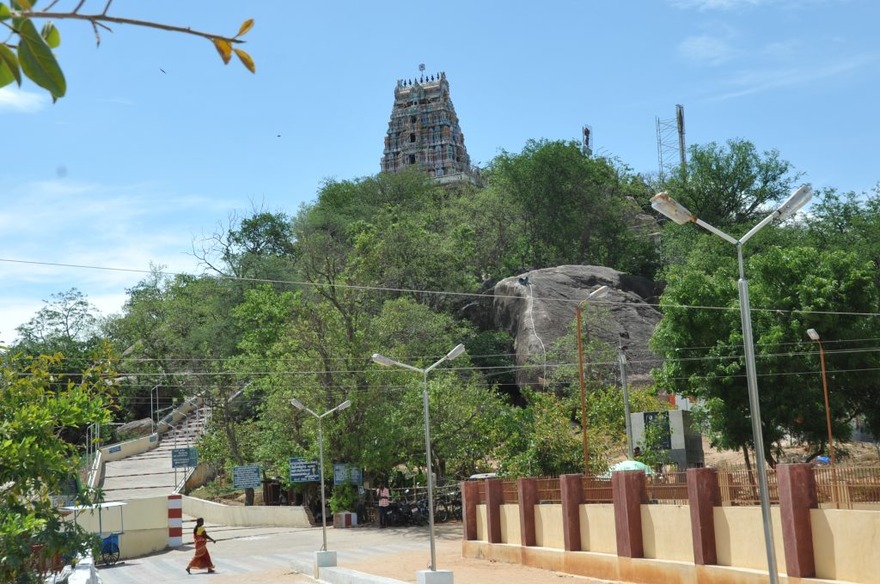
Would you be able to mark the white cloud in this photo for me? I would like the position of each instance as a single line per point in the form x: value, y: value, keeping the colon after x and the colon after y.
x: 706, y: 48
x: 101, y: 239
x: 757, y: 81
x: 718, y: 4
x: 21, y: 101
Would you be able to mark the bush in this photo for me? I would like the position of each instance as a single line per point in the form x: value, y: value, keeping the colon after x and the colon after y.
x: 344, y: 498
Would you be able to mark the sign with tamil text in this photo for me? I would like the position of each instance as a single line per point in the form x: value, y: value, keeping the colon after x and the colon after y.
x: 345, y: 473
x: 184, y: 457
x: 304, y: 471
x: 247, y: 477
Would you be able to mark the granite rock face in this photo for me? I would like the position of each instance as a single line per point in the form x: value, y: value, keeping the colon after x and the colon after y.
x: 538, y: 307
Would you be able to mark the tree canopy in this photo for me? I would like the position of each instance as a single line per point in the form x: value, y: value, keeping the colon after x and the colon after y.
x: 37, y: 464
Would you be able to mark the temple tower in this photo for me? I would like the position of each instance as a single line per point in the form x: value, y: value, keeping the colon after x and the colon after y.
x: 424, y: 133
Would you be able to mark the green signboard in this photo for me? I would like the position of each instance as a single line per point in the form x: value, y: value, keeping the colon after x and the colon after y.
x: 184, y: 457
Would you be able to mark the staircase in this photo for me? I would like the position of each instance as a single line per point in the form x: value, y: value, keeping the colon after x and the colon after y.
x: 150, y: 474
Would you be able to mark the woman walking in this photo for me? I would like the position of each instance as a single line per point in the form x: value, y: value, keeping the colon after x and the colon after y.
x: 202, y: 559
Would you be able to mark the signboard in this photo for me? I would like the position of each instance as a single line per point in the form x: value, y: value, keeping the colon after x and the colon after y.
x: 345, y: 473
x: 247, y: 477
x: 304, y: 471
x: 184, y: 457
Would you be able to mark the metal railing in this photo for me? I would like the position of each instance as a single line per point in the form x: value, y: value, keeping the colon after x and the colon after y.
x: 842, y: 486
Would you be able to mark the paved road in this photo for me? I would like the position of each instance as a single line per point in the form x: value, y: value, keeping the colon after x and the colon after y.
x: 284, y: 556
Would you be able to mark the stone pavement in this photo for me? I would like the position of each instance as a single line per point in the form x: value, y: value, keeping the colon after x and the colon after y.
x: 277, y: 555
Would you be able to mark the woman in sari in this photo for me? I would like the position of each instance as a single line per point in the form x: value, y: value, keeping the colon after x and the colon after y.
x: 202, y: 559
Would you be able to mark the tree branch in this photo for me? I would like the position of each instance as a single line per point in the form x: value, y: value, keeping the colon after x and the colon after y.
x: 100, y: 19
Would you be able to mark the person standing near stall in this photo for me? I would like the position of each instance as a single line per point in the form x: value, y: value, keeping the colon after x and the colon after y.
x: 201, y: 559
x: 384, y: 496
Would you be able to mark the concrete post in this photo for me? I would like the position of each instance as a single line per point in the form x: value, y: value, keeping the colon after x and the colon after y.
x: 704, y: 494
x: 797, y: 495
x: 572, y: 492
x: 528, y: 498
x: 494, y: 497
x: 629, y: 490
x: 470, y: 494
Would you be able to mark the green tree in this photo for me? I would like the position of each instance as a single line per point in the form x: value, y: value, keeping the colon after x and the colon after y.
x: 35, y: 461
x: 791, y: 290
x: 574, y: 209
x: 30, y: 52
x: 732, y: 184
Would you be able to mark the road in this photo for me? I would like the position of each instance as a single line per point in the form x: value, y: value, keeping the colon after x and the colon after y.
x: 268, y: 555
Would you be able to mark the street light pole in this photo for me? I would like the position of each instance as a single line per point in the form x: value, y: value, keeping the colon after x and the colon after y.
x: 153, y: 409
x: 815, y: 337
x: 621, y: 360
x: 597, y: 293
x: 388, y: 362
x: 299, y: 405
x: 664, y: 204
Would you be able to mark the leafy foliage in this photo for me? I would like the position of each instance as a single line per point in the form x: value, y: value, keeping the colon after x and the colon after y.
x: 793, y: 289
x: 36, y: 462
x: 33, y: 54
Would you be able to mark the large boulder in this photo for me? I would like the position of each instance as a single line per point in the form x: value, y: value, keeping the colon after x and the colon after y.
x: 539, y: 306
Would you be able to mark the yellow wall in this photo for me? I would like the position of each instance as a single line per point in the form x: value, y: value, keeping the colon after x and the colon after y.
x: 598, y: 530
x: 855, y: 556
x: 739, y: 538
x: 143, y: 524
x: 845, y: 542
x: 510, y: 526
x: 548, y: 526
x: 666, y: 532
x: 241, y: 516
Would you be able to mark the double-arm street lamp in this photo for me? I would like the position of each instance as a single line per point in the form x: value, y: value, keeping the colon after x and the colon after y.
x: 814, y: 336
x: 387, y: 362
x: 664, y: 204
x: 599, y: 292
x: 299, y: 405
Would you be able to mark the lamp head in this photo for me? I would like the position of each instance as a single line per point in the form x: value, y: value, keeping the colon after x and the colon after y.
x: 798, y: 199
x: 382, y: 360
x: 600, y: 292
x: 663, y: 203
x: 297, y: 404
x: 343, y: 405
x: 458, y: 350
x: 813, y: 334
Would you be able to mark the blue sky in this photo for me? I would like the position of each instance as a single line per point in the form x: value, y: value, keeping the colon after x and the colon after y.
x: 157, y: 143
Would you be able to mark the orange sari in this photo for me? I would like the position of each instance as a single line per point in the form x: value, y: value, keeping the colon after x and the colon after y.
x: 202, y: 559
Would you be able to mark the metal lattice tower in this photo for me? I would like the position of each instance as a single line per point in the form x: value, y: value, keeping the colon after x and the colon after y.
x: 670, y: 144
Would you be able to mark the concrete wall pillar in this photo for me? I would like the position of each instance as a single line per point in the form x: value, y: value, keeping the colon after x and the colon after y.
x: 470, y: 495
x: 572, y: 492
x: 797, y: 495
x: 175, y: 521
x: 494, y: 497
x: 630, y: 492
x: 704, y: 494
x: 528, y: 498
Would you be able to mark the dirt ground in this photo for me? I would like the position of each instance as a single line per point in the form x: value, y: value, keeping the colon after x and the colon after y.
x: 854, y: 453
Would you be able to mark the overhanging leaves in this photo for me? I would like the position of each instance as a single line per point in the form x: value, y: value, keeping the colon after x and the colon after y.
x: 224, y: 48
x: 246, y: 60
x: 38, y: 62
x: 9, y: 70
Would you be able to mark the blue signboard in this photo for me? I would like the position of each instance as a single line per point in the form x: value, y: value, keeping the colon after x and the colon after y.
x: 304, y: 471
x: 345, y: 473
x: 247, y: 477
x: 184, y: 457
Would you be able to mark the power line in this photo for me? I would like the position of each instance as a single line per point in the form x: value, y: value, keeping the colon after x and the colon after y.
x: 432, y: 292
